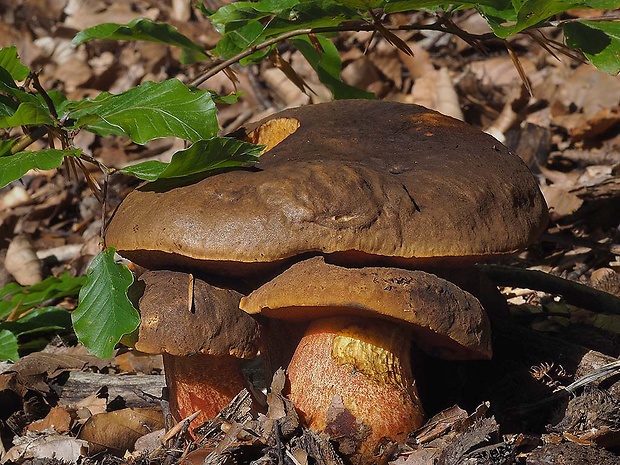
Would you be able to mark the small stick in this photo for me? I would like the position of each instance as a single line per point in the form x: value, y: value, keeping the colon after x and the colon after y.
x: 573, y: 292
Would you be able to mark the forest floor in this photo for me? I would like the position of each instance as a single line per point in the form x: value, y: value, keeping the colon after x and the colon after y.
x: 520, y: 408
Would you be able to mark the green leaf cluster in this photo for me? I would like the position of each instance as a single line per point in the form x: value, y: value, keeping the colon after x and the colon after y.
x: 28, y: 311
x: 246, y: 24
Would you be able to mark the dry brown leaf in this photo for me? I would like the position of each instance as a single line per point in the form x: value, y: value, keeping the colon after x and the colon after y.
x: 587, y: 89
x: 281, y: 409
x: 151, y: 441
x: 58, y: 419
x: 420, y: 63
x: 74, y: 72
x: 94, y: 404
x: 435, y: 90
x: 284, y: 89
x: 607, y: 280
x: 32, y: 446
x: 289, y: 72
x: 119, y: 430
x: 423, y: 456
x: 500, y: 72
x: 511, y: 114
x: 360, y: 73
x: 82, y: 14
x: 561, y: 201
x: 22, y: 261
x: 440, y: 424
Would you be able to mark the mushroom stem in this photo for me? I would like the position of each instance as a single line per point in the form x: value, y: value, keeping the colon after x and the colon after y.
x: 202, y: 382
x: 351, y: 377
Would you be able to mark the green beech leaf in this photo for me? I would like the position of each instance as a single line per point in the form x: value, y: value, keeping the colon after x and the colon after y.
x: 16, y: 299
x: 8, y: 86
x: 9, y: 60
x: 40, y: 320
x: 8, y: 107
x: 8, y: 346
x: 327, y: 64
x: 150, y: 111
x: 7, y: 83
x: 138, y: 29
x: 27, y: 114
x: 5, y: 147
x: 397, y: 6
x: 189, y: 57
x: 507, y: 18
x: 202, y: 156
x: 105, y: 313
x: 598, y: 40
x: 13, y: 167
x: 244, y: 24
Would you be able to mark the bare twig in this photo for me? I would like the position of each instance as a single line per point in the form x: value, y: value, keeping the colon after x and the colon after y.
x: 48, y: 100
x: 359, y: 26
x: 573, y: 292
x: 28, y: 139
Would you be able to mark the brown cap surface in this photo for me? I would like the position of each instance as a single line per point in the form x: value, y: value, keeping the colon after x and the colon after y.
x: 446, y: 321
x: 357, y: 177
x: 212, y: 324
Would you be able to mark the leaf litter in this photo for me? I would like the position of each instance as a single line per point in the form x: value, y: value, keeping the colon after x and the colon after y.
x: 567, y: 129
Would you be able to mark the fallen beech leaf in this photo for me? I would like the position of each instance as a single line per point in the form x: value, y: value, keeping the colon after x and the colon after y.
x: 119, y: 430
x: 151, y: 441
x: 440, y: 424
x: 62, y: 448
x: 95, y: 403
x: 58, y: 419
x: 22, y: 261
x: 435, y: 90
x: 561, y: 202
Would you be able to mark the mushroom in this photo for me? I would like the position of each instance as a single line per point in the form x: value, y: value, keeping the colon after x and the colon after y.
x: 351, y: 373
x: 202, y: 335
x: 363, y: 183
x: 367, y: 182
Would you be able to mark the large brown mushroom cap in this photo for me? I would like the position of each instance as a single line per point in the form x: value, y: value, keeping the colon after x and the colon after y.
x: 182, y: 315
x: 364, y: 178
x: 446, y: 321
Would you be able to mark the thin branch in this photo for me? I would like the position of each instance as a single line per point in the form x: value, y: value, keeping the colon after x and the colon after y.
x: 573, y: 292
x: 48, y: 100
x: 28, y: 139
x: 608, y: 17
x: 219, y: 65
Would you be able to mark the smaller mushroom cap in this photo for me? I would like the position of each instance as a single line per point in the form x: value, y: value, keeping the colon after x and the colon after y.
x: 447, y: 321
x: 211, y: 323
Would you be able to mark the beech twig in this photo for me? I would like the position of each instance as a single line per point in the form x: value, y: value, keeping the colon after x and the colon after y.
x: 573, y: 292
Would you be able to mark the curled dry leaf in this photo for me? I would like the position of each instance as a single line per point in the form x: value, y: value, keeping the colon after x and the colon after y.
x: 606, y: 279
x: 119, y: 430
x: 22, y: 261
